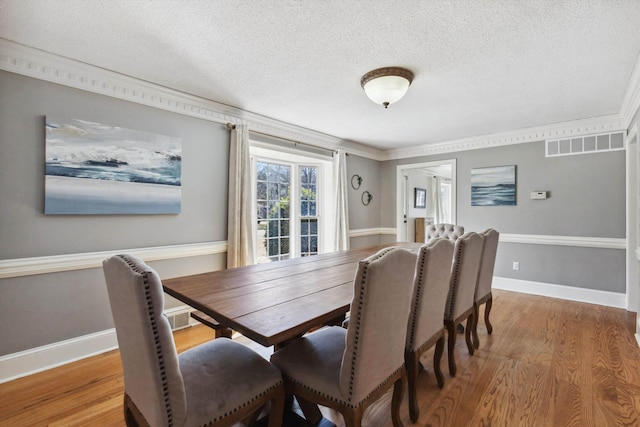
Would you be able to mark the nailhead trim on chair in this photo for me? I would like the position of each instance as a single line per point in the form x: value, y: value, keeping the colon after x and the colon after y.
x: 454, y: 278
x: 156, y: 337
x: 165, y: 386
x: 247, y: 403
x: 348, y: 403
x: 356, y: 339
x: 412, y: 333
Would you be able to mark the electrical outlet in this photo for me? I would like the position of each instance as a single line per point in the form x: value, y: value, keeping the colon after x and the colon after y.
x: 516, y: 265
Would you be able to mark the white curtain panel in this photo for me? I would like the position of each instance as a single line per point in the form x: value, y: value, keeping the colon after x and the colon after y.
x: 342, y: 207
x: 240, y: 224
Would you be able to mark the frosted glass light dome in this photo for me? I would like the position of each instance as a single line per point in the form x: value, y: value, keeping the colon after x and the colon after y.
x: 386, y: 86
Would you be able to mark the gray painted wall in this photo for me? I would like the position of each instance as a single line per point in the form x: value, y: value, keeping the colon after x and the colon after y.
x: 43, y: 309
x: 587, y: 198
x: 361, y: 216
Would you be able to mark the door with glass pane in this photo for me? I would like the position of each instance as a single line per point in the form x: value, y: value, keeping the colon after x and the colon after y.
x: 308, y: 210
x: 273, y: 198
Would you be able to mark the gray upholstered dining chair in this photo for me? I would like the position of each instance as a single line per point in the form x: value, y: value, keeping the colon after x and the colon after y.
x: 426, y: 327
x: 448, y: 231
x: 467, y: 253
x: 348, y: 369
x: 217, y: 383
x: 483, y: 293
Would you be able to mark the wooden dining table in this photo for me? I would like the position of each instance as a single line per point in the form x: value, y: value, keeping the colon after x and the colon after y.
x: 273, y: 303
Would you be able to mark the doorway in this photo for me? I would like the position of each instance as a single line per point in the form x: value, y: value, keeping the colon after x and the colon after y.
x: 438, y: 178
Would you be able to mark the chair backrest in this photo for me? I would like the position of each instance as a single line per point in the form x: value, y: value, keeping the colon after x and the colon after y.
x: 376, y: 334
x: 430, y: 290
x: 448, y: 231
x: 464, y: 274
x: 152, y: 377
x: 485, y: 276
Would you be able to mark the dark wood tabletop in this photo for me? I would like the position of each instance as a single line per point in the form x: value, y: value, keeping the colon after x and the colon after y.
x: 275, y: 302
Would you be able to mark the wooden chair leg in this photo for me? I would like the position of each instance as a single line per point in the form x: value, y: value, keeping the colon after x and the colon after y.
x: 396, y: 401
x: 487, y: 310
x: 132, y: 415
x: 412, y: 363
x: 276, y: 412
x: 476, y: 315
x: 437, y: 358
x: 451, y: 336
x: 353, y: 417
x: 467, y: 334
x: 129, y: 420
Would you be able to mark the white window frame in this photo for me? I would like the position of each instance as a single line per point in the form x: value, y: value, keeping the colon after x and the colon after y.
x: 324, y: 202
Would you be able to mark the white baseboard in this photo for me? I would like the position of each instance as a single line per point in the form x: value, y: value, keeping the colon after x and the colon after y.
x: 32, y: 361
x: 638, y: 328
x: 606, y: 298
x: 39, y: 359
x: 21, y: 364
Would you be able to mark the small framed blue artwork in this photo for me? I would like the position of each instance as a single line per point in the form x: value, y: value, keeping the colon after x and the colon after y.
x: 493, y: 186
x: 93, y: 168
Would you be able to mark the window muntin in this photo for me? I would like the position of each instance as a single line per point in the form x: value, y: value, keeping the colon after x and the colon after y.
x: 309, y: 205
x: 308, y: 210
x: 273, y: 193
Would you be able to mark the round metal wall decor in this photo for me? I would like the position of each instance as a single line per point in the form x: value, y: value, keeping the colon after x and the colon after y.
x: 356, y: 181
x: 366, y: 198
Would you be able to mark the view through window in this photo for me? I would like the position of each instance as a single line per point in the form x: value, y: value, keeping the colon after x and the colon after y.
x: 287, y: 210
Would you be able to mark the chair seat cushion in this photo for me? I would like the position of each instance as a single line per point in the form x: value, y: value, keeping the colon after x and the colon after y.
x: 314, y: 361
x: 222, y: 376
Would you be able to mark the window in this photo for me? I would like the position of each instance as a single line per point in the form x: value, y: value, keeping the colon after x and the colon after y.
x: 308, y: 210
x: 272, y: 199
x: 289, y: 204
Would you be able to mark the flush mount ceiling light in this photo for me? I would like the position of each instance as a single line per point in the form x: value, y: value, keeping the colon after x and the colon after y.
x: 387, y: 85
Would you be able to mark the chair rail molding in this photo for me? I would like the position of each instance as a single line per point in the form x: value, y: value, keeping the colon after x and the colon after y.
x: 56, y: 263
x: 363, y: 232
x: 576, y: 241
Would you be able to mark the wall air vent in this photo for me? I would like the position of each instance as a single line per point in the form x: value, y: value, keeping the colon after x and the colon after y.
x: 585, y: 144
x: 179, y: 321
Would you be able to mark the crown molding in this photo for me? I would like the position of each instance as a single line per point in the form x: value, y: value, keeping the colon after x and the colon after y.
x: 31, y: 62
x: 35, y: 63
x: 603, y: 124
x: 631, y: 101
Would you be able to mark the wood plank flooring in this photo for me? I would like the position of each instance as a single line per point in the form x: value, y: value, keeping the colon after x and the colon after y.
x: 549, y: 362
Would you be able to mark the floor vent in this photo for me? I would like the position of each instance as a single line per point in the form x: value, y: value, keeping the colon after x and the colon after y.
x: 585, y: 144
x: 179, y: 321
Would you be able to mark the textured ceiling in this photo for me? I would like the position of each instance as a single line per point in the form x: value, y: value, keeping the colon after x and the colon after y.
x: 481, y: 66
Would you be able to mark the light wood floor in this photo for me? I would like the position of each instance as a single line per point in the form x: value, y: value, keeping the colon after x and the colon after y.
x: 548, y: 363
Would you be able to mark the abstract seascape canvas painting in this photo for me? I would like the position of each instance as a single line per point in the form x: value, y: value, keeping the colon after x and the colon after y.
x: 493, y: 186
x: 93, y: 168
